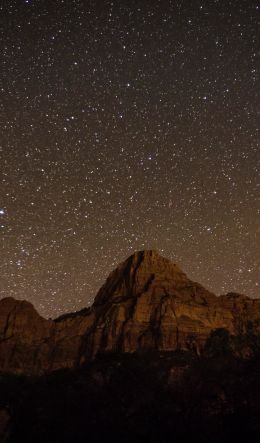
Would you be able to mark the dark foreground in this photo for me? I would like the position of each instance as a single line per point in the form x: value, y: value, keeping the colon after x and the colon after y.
x: 170, y: 397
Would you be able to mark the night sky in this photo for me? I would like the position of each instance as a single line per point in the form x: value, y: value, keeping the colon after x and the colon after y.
x: 127, y: 125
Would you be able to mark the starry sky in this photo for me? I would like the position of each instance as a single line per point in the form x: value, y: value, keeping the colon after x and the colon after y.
x: 127, y: 125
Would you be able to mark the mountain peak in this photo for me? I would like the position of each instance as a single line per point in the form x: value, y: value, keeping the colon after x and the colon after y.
x: 137, y: 273
x: 147, y: 304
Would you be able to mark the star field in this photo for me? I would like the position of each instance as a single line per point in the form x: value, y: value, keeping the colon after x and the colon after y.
x: 127, y: 125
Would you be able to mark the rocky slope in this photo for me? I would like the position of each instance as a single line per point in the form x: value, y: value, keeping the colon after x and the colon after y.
x: 147, y: 303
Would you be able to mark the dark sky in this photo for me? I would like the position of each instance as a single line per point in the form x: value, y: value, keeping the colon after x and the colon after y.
x: 127, y: 125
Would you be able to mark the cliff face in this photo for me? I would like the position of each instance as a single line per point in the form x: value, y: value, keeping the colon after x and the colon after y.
x: 147, y: 303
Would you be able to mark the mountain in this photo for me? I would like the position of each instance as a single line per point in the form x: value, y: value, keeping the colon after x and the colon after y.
x: 147, y: 304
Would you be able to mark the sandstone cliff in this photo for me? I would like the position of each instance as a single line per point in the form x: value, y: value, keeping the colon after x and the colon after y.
x: 147, y: 303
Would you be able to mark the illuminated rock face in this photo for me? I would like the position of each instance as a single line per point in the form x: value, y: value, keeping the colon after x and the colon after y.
x: 147, y: 303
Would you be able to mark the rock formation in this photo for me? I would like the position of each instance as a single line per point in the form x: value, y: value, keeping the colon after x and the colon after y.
x: 147, y: 303
x: 24, y: 337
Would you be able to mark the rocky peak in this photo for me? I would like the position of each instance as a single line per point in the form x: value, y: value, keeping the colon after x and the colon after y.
x: 23, y: 333
x: 19, y: 317
x: 147, y: 303
x: 136, y: 274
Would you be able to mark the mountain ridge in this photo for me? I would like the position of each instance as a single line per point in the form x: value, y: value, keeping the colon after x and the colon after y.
x: 147, y: 303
